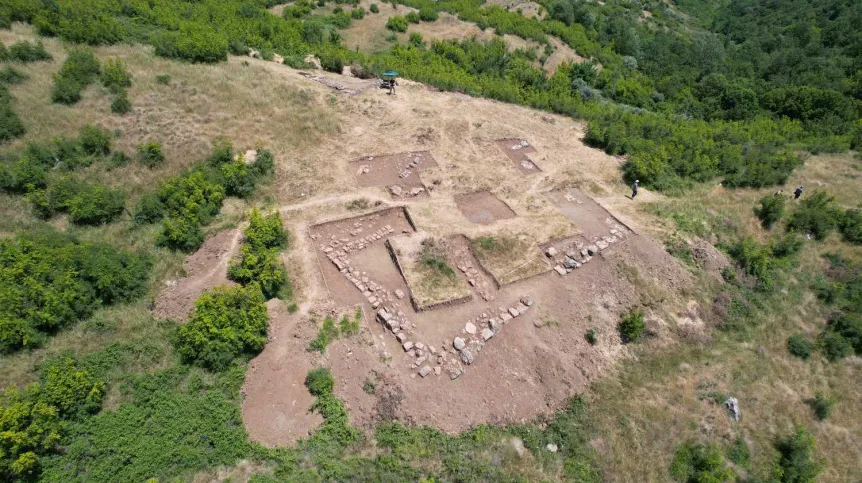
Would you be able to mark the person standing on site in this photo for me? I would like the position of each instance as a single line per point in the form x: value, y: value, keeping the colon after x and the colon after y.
x: 635, y: 188
x: 797, y: 193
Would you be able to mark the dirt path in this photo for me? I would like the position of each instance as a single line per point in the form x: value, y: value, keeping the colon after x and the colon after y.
x: 205, y: 269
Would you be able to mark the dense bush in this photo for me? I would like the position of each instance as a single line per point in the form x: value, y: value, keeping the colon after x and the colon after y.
x: 87, y: 204
x: 258, y: 261
x: 319, y: 382
x: 697, y: 463
x: 226, y: 323
x: 771, y: 209
x: 411, y: 17
x: 851, y: 226
x: 397, y: 23
x: 121, y: 103
x: 373, y: 8
x: 95, y: 141
x: 795, y: 463
x: 821, y: 404
x: 358, y: 13
x: 800, y: 346
x: 11, y: 126
x: 24, y: 51
x: 79, y: 70
x: 632, y: 326
x: 150, y: 154
x: 74, y: 393
x: 49, y: 280
x: 817, y: 214
x: 195, y: 42
x: 10, y: 75
x: 761, y: 261
x: 115, y: 76
x: 428, y: 14
x: 30, y: 428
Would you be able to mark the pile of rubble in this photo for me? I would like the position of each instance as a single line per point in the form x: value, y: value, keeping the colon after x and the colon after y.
x: 474, y: 278
x: 521, y: 145
x: 397, y: 190
x: 577, y: 253
x: 477, y: 332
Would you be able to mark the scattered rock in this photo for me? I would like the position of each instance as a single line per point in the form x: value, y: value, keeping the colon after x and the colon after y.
x: 395, y: 190
x: 399, y: 293
x: 487, y: 334
x: 551, y: 447
x: 592, y: 250
x: 437, y: 370
x: 514, y: 312
x: 732, y: 405
x: 470, y: 328
x: 407, y: 346
x: 560, y: 269
x: 424, y: 371
x: 552, y: 252
x: 458, y: 343
x: 467, y: 356
x: 527, y: 300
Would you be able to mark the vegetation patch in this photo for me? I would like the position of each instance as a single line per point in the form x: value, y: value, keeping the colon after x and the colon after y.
x: 258, y: 261
x: 346, y: 326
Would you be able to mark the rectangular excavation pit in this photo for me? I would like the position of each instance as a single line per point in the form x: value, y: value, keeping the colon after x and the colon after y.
x: 355, y: 263
x: 509, y: 259
x: 519, y: 151
x: 483, y: 208
x: 595, y: 223
x: 397, y: 173
x: 428, y: 265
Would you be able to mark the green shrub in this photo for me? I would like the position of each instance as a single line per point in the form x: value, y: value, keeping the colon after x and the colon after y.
x: 817, y: 214
x: 118, y: 160
x: 739, y: 453
x: 332, y: 62
x: 49, y: 280
x: 358, y: 13
x: 319, y: 382
x: 96, y: 205
x: 11, y: 75
x: 22, y: 176
x: 163, y: 79
x: 697, y: 463
x: 756, y: 260
x: 149, y: 209
x: 263, y: 165
x: 632, y: 326
x: 821, y: 405
x: 222, y: 152
x: 428, y: 14
x: 238, y: 179
x: 150, y: 154
x: 411, y: 17
x: 591, y: 336
x: 373, y: 7
x: 73, y: 392
x: 115, y: 76
x: 795, y: 463
x: 851, y: 226
x: 326, y: 334
x: 834, y: 345
x: 195, y: 42
x: 95, y: 141
x: 800, y: 346
x: 416, y: 40
x: 79, y: 70
x: 265, y: 232
x: 771, y: 209
x: 121, y: 103
x: 180, y: 233
x: 30, y: 427
x: 24, y: 51
x: 260, y: 266
x: 227, y: 322
x: 397, y: 23
x: 11, y: 126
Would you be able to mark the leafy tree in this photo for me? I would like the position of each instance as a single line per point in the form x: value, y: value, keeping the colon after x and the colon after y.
x: 771, y: 209
x: 265, y: 232
x: 226, y: 323
x: 817, y: 214
x: 261, y: 267
x: 30, y: 427
x: 73, y: 392
x: 851, y: 226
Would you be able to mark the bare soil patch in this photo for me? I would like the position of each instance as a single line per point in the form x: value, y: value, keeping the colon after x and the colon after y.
x: 346, y: 84
x: 399, y: 173
x: 427, y: 264
x: 205, y: 269
x: 483, y: 207
x: 519, y: 152
x: 593, y: 221
x: 276, y: 407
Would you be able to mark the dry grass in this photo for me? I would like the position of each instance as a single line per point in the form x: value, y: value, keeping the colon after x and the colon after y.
x: 509, y: 258
x: 428, y: 270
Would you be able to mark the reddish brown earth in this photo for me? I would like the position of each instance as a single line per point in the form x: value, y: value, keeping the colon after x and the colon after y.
x: 532, y: 365
x: 520, y: 155
x: 483, y: 208
x: 205, y: 269
x: 401, y: 170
